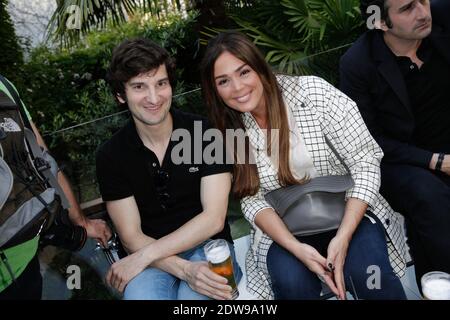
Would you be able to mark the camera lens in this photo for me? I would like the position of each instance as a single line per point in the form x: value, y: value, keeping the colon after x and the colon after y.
x: 64, y: 235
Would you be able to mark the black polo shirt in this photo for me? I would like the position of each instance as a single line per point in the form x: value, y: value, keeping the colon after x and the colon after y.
x: 429, y: 93
x: 167, y: 196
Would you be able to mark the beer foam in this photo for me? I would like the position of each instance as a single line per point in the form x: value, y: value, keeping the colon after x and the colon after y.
x: 437, y: 289
x: 218, y: 254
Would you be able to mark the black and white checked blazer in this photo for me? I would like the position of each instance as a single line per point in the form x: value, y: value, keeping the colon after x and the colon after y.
x: 320, y: 109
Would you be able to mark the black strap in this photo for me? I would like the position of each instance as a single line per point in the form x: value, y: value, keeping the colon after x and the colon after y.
x: 52, y: 180
x: 31, y: 139
x: 439, y: 162
x: 328, y: 142
x: 17, y: 100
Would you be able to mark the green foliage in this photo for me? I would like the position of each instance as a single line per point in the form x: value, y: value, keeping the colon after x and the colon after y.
x: 239, y: 226
x: 74, y: 19
x: 65, y: 87
x: 289, y: 31
x: 11, y: 54
x: 76, y: 147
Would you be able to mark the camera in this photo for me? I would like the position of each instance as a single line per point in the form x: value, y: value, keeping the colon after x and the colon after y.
x: 62, y: 233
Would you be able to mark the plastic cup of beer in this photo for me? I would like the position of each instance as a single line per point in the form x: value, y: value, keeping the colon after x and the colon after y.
x: 219, y: 258
x: 436, y: 285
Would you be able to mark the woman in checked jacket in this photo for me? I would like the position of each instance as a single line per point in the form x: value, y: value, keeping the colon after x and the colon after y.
x: 241, y: 92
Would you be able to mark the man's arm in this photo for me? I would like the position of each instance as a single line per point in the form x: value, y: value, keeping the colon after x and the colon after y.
x: 95, y: 228
x: 214, y: 191
x: 125, y: 215
x: 161, y: 253
x: 357, y: 87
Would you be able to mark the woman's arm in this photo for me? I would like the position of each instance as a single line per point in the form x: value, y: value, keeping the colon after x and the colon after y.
x: 261, y: 215
x: 342, y: 123
x: 271, y: 224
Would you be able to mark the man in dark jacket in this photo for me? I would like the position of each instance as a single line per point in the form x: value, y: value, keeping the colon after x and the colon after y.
x: 398, y: 74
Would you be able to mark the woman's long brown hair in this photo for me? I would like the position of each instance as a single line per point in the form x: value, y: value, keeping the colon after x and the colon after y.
x: 245, y: 178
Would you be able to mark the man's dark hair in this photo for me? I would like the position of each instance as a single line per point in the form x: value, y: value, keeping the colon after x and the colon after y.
x: 133, y: 57
x: 382, y: 4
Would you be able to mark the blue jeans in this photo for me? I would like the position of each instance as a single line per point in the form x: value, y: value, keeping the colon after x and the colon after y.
x: 367, y: 252
x: 156, y: 284
x: 423, y: 197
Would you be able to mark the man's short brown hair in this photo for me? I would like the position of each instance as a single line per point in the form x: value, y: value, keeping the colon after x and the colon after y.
x: 134, y: 57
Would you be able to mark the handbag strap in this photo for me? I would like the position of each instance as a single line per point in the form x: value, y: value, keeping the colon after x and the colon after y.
x: 326, y: 140
x: 336, y: 154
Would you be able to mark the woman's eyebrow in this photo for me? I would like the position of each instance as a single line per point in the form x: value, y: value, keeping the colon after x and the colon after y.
x: 238, y: 69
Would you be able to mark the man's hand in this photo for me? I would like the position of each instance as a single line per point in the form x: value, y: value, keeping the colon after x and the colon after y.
x: 99, y: 230
x: 204, y: 281
x: 124, y: 270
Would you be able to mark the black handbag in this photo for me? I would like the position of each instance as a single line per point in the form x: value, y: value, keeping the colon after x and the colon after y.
x: 313, y: 207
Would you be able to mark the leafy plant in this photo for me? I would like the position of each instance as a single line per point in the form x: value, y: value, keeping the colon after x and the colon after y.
x: 290, y: 31
x: 65, y: 88
x: 11, y: 56
x: 74, y: 19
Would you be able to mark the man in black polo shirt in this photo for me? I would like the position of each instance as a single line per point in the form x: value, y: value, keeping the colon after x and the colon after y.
x: 163, y: 211
x: 399, y: 75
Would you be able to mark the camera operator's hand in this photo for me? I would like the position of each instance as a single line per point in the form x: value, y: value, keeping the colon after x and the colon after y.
x: 95, y: 228
x: 98, y: 229
x: 124, y: 270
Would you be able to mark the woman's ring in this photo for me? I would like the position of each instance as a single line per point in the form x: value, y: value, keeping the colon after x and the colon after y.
x: 321, y: 278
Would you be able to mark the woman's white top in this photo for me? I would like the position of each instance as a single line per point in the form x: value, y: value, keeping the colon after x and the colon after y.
x: 300, y: 161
